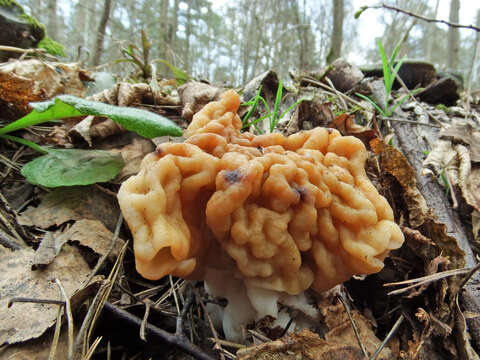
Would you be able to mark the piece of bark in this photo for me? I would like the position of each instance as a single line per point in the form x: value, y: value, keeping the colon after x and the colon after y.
x: 441, y: 91
x: 343, y: 75
x: 412, y: 144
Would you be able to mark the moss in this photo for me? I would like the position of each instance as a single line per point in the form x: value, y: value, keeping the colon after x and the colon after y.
x: 52, y: 47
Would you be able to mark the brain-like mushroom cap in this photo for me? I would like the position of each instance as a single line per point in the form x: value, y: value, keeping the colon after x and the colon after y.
x: 287, y: 213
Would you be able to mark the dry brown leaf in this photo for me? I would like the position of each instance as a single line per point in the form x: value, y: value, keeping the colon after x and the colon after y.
x: 195, y: 95
x: 464, y: 134
x: 133, y: 155
x: 346, y: 125
x: 39, y: 349
x: 94, y: 235
x: 341, y: 330
x: 462, y: 336
x: 90, y: 233
x: 126, y: 94
x: 49, y: 247
x: 312, y: 112
x: 303, y: 345
x: 25, y: 321
x: 72, y: 203
x: 23, y: 81
x: 476, y: 226
x: 394, y: 163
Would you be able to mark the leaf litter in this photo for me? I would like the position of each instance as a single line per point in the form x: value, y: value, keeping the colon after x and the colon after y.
x: 427, y: 320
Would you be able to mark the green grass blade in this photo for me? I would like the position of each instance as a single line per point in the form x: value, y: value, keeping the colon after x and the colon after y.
x: 378, y: 108
x: 253, y: 107
x: 385, y: 67
x: 181, y: 76
x: 267, y: 108
x: 290, y: 108
x: 25, y: 142
x: 278, y: 99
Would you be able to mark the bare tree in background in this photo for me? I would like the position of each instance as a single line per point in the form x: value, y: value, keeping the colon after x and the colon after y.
x: 52, y: 19
x: 337, y: 34
x: 430, y: 36
x: 102, y: 26
x: 453, y: 35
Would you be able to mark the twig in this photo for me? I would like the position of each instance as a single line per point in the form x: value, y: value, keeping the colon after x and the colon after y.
x: 10, y: 228
x: 427, y: 19
x: 9, y: 241
x: 342, y: 101
x: 104, y: 256
x: 181, y: 316
x: 20, y: 50
x: 158, y: 334
x: 34, y: 301
x: 229, y: 343
x: 68, y: 311
x: 92, y: 348
x: 217, y: 345
x: 387, y: 338
x: 174, y: 291
x: 21, y: 231
x: 259, y: 335
x: 468, y: 276
x: 404, y: 86
x: 409, y: 121
x: 145, y: 319
x: 424, y: 280
x: 56, y: 335
x: 90, y: 314
x: 325, y: 86
x: 341, y: 297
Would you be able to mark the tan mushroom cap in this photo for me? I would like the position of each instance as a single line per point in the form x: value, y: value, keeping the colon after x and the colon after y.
x: 286, y: 213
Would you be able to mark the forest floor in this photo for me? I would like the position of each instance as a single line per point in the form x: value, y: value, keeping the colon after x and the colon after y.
x: 69, y: 288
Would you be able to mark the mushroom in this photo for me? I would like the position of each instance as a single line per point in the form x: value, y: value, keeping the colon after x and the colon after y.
x: 260, y: 218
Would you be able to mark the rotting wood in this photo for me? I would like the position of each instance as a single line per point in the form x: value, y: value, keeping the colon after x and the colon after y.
x: 411, y: 144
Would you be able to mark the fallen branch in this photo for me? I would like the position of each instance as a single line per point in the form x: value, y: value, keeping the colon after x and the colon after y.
x: 158, y: 334
x: 421, y: 17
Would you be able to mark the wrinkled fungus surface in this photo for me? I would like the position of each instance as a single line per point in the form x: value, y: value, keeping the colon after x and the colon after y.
x: 281, y: 213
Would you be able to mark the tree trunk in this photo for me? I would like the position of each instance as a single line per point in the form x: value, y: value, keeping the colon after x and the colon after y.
x: 188, y: 33
x: 102, y: 26
x: 337, y: 34
x: 431, y: 34
x: 52, y: 19
x: 453, y: 35
x: 172, y: 31
x: 472, y: 73
x: 163, y: 29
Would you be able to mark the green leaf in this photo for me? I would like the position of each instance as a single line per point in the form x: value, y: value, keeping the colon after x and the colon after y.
x: 69, y: 167
x: 144, y: 123
x: 181, y: 76
x: 360, y: 11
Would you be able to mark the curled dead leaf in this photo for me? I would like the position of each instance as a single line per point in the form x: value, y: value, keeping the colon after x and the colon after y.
x: 394, y: 163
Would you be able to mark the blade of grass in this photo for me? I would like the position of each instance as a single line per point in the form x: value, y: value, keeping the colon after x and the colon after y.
x: 371, y: 102
x: 290, y: 108
x: 278, y: 99
x: 253, y: 107
x: 25, y: 142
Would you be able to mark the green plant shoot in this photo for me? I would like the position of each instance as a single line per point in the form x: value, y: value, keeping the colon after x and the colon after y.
x: 390, y: 70
x: 273, y: 117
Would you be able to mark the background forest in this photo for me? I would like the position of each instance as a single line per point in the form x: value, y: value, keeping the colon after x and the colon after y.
x: 231, y: 41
